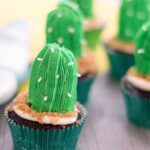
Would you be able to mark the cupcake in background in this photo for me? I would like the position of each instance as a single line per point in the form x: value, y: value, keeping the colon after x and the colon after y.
x: 93, y: 25
x: 120, y: 49
x: 136, y: 84
x: 48, y: 118
x: 64, y: 26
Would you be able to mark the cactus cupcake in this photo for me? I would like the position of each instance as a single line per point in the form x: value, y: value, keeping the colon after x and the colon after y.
x: 64, y: 26
x: 48, y: 118
x: 136, y: 84
x: 133, y: 14
x: 92, y: 25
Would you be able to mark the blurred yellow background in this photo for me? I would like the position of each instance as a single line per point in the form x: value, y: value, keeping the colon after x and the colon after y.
x: 35, y: 12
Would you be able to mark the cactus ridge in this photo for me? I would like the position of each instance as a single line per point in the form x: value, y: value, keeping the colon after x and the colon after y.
x: 86, y: 7
x: 133, y: 14
x: 65, y: 27
x: 142, y: 52
x: 53, y: 80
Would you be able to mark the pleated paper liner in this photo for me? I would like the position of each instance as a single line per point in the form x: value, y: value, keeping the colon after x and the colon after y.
x: 25, y: 138
x: 83, y: 89
x: 137, y: 108
x: 119, y: 63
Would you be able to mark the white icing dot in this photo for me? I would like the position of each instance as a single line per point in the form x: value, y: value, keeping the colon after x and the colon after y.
x: 50, y: 30
x: 52, y: 49
x: 75, y: 6
x: 45, y: 98
x: 140, y: 16
x: 78, y: 75
x: 57, y: 76
x: 128, y: 32
x: 144, y: 27
x: 71, y: 29
x: 69, y: 95
x: 40, y: 79
x: 40, y: 59
x: 140, y: 51
x: 129, y: 13
x: 71, y: 63
x: 148, y: 8
x: 84, y: 42
x: 60, y: 40
x: 59, y: 15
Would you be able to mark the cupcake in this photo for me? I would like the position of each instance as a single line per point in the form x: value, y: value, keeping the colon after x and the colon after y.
x: 121, y: 48
x: 93, y: 25
x: 136, y: 84
x: 48, y: 117
x: 64, y: 26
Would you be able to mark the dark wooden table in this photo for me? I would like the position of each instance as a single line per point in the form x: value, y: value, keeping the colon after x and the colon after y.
x: 107, y: 127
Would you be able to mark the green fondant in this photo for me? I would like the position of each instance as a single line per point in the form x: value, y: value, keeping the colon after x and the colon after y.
x: 86, y: 7
x: 142, y: 52
x: 53, y: 80
x: 65, y: 27
x: 133, y: 14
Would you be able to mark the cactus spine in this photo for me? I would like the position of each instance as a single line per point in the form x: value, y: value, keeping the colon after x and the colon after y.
x: 133, y: 14
x: 64, y: 26
x: 86, y: 7
x: 53, y: 80
x: 142, y: 53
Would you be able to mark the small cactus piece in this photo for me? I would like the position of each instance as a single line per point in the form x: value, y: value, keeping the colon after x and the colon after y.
x: 86, y: 7
x: 142, y: 52
x: 133, y: 14
x: 65, y: 27
x: 53, y: 80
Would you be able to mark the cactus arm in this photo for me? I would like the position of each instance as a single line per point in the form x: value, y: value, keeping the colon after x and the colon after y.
x: 133, y: 14
x: 142, y: 52
x: 86, y: 7
x: 125, y: 27
x: 56, y: 91
x: 64, y: 26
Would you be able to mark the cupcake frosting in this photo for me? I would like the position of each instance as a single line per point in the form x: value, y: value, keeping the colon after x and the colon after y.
x: 121, y: 46
x: 23, y: 110
x: 93, y: 23
x: 86, y: 64
x: 137, y: 80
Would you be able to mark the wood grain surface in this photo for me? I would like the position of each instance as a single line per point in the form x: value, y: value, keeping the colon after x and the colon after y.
x: 107, y: 127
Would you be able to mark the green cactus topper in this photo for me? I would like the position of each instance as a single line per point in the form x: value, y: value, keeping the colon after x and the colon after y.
x: 53, y: 80
x: 86, y: 7
x: 64, y: 26
x: 133, y: 14
x: 142, y: 52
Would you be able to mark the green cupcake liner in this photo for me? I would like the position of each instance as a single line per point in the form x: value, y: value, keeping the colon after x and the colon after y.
x: 93, y: 37
x: 137, y: 108
x: 119, y: 63
x: 25, y: 138
x: 83, y: 88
